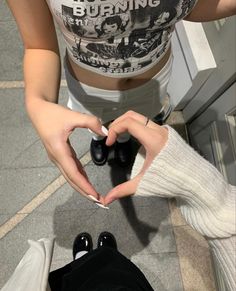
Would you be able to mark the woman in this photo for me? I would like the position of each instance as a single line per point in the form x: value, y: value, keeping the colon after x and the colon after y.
x: 105, y: 82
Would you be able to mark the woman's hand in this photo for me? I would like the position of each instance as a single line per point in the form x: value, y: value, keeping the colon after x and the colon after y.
x: 153, y: 138
x: 54, y: 125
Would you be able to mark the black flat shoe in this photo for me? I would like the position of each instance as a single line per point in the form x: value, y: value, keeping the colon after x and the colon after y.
x: 99, y: 151
x: 83, y: 242
x: 107, y: 239
x: 123, y: 153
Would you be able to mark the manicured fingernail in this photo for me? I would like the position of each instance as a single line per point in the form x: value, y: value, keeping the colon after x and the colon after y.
x: 102, y: 206
x: 93, y: 198
x: 104, y: 130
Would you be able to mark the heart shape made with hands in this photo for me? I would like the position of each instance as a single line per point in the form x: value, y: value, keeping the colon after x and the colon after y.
x: 151, y: 136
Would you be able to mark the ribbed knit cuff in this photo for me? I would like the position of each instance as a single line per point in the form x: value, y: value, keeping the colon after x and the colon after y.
x: 206, y: 201
x: 224, y: 257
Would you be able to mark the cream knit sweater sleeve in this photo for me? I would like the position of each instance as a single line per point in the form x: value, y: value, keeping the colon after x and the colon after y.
x: 206, y: 200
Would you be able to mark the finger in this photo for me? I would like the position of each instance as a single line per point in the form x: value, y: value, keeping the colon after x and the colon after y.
x: 89, y: 196
x: 88, y: 121
x: 69, y: 181
x: 73, y: 170
x: 134, y: 127
x: 78, y: 164
x: 130, y: 114
x: 138, y: 117
x: 122, y: 190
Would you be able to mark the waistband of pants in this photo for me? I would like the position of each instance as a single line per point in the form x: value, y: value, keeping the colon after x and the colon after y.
x: 90, y: 90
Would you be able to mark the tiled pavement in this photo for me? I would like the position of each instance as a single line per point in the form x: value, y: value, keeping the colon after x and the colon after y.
x: 172, y: 256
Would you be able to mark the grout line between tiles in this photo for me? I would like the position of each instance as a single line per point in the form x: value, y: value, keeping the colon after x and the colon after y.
x: 159, y: 253
x: 20, y: 84
x: 176, y: 244
x: 21, y: 214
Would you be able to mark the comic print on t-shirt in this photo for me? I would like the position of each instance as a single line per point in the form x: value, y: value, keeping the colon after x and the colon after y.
x: 118, y: 36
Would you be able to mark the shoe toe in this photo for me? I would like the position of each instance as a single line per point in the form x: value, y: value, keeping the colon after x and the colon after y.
x: 123, y: 153
x: 107, y: 239
x: 83, y: 242
x: 99, y: 151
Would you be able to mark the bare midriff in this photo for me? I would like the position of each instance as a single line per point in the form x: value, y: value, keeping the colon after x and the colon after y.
x: 109, y: 83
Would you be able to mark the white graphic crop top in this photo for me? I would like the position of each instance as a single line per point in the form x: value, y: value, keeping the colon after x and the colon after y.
x: 118, y: 37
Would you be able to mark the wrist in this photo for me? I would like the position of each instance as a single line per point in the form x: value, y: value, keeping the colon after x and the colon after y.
x: 34, y: 106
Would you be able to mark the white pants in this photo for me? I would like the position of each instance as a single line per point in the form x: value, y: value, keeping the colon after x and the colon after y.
x: 110, y: 104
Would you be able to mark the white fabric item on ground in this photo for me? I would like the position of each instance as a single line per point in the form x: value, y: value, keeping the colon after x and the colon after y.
x: 31, y: 274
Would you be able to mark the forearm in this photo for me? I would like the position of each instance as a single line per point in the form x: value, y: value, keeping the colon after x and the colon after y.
x: 206, y: 200
x: 42, y: 74
x: 41, y: 59
x: 212, y: 10
x: 42, y: 78
x: 224, y: 258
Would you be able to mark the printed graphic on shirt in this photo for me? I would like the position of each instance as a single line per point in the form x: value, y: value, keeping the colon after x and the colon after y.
x: 119, y: 36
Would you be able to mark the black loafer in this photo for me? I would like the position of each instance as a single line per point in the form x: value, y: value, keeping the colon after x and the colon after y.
x: 123, y: 153
x: 107, y: 239
x: 83, y: 242
x: 99, y: 151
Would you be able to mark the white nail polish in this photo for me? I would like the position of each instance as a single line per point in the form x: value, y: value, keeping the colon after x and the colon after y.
x: 102, y: 206
x: 93, y: 198
x: 104, y: 130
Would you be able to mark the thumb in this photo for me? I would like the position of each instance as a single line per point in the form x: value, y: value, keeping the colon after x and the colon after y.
x: 89, y: 121
x: 122, y: 190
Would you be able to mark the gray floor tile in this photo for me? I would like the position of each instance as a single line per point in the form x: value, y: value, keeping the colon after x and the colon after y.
x: 18, y: 187
x: 129, y: 219
x: 11, y: 52
x: 134, y: 234
x: 66, y: 199
x: 80, y: 138
x: 25, y: 167
x: 3, y: 218
x: 99, y: 177
x: 11, y: 49
x: 135, y: 216
x: 11, y: 103
x: 20, y: 145
x: 16, y: 129
x: 161, y: 270
x: 106, y: 177
x: 56, y: 264
x: 5, y: 14
x: 62, y: 48
x: 63, y: 96
x: 65, y: 225
x: 176, y: 121
x: 195, y: 259
x: 68, y: 220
